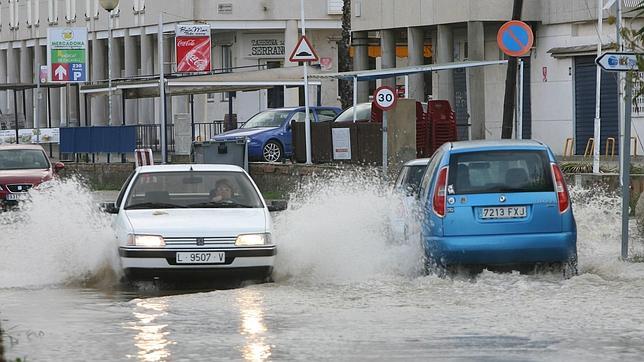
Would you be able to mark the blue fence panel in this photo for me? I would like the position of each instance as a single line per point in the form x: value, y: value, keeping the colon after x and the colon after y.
x: 102, y: 139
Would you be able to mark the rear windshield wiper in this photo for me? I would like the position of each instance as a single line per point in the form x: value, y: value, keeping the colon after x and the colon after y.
x: 154, y: 205
x: 219, y: 204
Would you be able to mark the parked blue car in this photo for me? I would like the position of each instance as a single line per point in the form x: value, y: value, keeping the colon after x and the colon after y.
x: 269, y: 132
x: 496, y: 204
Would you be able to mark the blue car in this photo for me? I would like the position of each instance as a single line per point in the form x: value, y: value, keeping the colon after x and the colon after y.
x: 270, y: 133
x: 496, y: 204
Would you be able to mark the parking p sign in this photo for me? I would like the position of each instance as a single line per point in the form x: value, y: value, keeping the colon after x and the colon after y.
x: 67, y: 55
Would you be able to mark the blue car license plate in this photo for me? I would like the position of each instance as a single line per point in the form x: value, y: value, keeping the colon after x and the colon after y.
x: 504, y: 212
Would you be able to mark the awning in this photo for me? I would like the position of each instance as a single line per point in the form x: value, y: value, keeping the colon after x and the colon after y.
x: 204, y: 84
x: 394, y: 72
x: 579, y: 50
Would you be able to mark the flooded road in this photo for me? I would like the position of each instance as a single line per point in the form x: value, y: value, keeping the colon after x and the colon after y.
x: 341, y: 292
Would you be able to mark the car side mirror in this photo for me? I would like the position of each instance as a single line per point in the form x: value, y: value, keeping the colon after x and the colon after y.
x: 58, y: 166
x: 289, y: 126
x: 109, y: 207
x: 277, y: 205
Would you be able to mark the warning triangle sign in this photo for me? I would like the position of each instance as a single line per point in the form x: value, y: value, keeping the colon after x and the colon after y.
x: 303, y: 52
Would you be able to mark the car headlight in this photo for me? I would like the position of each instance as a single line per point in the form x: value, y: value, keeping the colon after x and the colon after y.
x: 253, y: 239
x: 146, y: 241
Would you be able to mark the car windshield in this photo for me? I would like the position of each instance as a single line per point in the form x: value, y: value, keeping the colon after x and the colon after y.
x: 499, y: 171
x: 192, y: 189
x: 409, y: 178
x: 23, y: 160
x: 363, y: 113
x: 267, y: 119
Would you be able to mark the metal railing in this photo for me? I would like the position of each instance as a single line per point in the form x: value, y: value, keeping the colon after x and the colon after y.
x: 149, y: 135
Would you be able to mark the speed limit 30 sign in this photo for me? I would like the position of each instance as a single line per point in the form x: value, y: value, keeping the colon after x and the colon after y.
x: 385, y: 98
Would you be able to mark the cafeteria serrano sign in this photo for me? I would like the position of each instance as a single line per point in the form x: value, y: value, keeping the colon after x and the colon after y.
x: 265, y: 46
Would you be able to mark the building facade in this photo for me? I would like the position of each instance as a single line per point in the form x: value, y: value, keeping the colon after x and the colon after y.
x: 246, y: 35
x: 559, y: 78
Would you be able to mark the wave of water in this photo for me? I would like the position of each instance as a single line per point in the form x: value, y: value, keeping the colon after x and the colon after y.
x: 58, y: 236
x: 337, y: 229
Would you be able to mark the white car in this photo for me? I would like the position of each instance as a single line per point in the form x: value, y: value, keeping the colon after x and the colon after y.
x: 176, y: 221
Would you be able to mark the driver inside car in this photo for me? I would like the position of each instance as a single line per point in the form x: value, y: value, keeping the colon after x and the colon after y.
x: 223, y: 191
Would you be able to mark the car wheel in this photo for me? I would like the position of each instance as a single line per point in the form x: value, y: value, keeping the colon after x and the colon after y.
x: 569, y: 268
x: 272, y: 151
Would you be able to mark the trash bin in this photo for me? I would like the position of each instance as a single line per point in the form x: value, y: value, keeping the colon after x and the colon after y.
x: 233, y: 152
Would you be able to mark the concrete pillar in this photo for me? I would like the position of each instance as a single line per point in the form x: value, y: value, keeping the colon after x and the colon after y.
x: 415, y: 50
x: 388, y: 54
x: 117, y: 69
x: 99, y: 72
x: 291, y: 36
x: 3, y: 79
x: 444, y: 54
x: 146, y: 105
x: 13, y: 73
x: 360, y: 43
x: 27, y: 76
x: 476, y: 79
x: 131, y: 51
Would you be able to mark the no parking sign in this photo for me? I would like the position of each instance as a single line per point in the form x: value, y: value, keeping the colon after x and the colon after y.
x: 515, y: 38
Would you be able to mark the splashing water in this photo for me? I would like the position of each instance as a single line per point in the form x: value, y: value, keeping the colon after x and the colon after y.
x: 58, y: 236
x: 336, y: 229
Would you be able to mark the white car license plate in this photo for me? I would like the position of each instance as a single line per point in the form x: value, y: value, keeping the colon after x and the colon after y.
x: 17, y: 197
x: 504, y: 212
x: 201, y: 257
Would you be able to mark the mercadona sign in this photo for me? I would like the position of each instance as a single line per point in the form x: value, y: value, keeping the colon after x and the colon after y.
x: 67, y: 55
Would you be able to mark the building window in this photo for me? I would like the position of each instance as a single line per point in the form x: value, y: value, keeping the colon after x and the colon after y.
x: 52, y: 13
x: 13, y: 14
x: 70, y: 11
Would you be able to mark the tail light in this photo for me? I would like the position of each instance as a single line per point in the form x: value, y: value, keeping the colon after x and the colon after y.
x: 440, y: 193
x: 562, y: 190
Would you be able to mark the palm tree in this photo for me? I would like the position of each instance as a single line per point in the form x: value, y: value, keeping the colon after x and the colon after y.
x: 344, y: 60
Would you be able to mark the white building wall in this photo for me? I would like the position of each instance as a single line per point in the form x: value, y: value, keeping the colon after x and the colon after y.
x: 134, y: 20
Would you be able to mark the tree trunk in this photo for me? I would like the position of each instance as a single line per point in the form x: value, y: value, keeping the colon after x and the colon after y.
x: 510, y: 83
x: 344, y: 60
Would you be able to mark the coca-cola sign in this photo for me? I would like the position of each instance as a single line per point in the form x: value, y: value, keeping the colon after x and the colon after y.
x: 193, y: 48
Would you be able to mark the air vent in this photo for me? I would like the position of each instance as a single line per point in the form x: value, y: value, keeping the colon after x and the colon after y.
x: 225, y: 8
x: 334, y: 7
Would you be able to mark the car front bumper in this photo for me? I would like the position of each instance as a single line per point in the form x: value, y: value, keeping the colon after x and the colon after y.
x: 241, y: 263
x: 502, y: 249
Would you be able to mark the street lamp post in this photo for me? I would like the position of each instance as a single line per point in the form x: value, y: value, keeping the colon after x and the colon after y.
x: 109, y: 5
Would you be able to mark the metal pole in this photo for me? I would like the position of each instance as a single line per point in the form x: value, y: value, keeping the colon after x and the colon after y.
x: 15, y: 114
x: 384, y: 143
x: 597, y: 133
x: 109, y: 67
x: 355, y: 98
x: 307, y: 119
x: 406, y: 87
x: 36, y: 104
x: 192, y: 116
x: 164, y: 151
x: 520, y: 103
x: 625, y: 129
x: 626, y: 167
x: 51, y: 147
